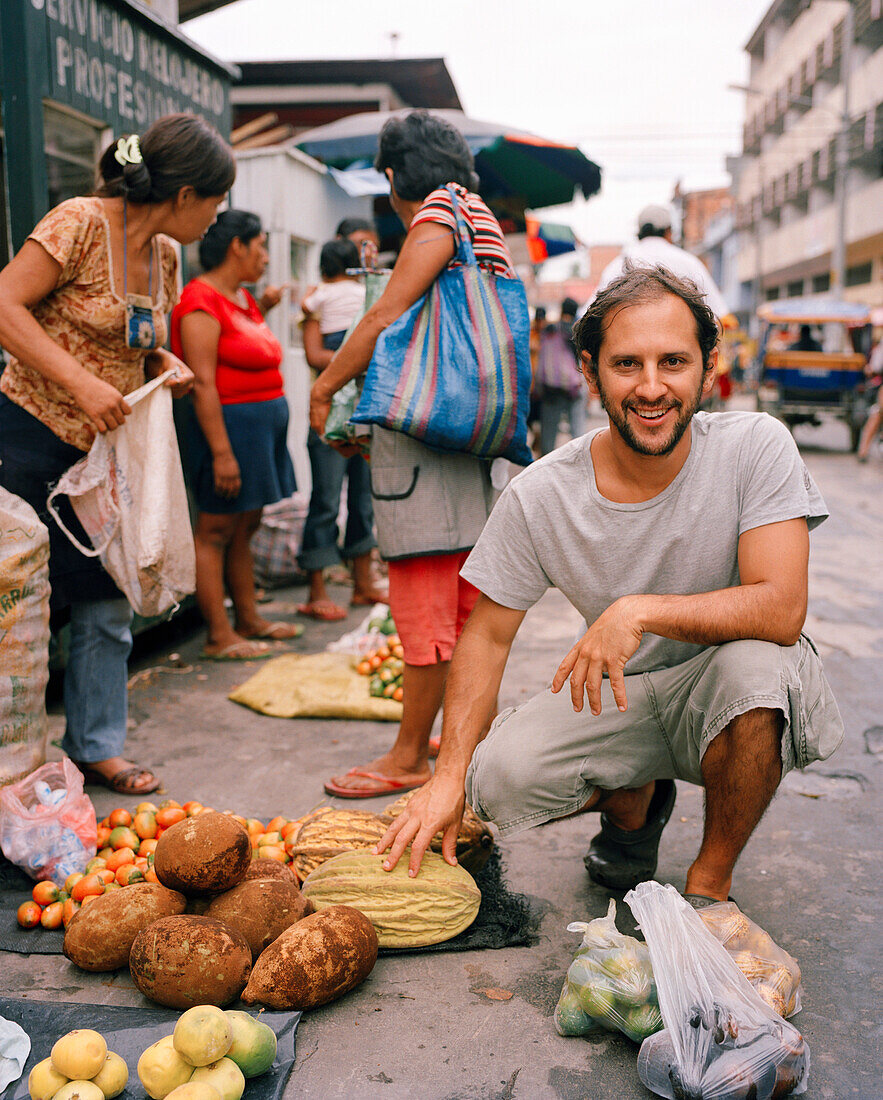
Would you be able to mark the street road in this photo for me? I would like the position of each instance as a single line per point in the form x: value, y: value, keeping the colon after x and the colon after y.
x: 478, y: 1026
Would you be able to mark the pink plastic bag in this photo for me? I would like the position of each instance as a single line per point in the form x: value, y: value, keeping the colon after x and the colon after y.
x: 47, y: 823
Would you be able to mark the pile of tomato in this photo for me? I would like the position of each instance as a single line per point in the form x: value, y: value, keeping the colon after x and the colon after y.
x: 385, y: 667
x: 126, y: 846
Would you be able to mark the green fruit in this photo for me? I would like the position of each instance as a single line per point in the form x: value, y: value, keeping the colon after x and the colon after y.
x: 569, y: 1016
x: 641, y: 1022
x: 254, y: 1044
x: 598, y: 1001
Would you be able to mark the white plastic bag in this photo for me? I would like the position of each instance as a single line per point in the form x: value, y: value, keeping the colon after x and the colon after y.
x: 47, y: 823
x: 721, y: 1040
x: 128, y: 493
x: 609, y: 984
x: 24, y: 638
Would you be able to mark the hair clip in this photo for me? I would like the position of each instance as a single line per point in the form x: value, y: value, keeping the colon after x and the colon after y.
x: 128, y: 151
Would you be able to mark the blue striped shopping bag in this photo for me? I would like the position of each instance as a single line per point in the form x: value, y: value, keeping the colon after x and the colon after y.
x: 454, y: 370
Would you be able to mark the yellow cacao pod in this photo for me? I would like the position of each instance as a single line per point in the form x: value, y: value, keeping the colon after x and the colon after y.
x: 328, y: 833
x: 475, y: 841
x: 437, y: 904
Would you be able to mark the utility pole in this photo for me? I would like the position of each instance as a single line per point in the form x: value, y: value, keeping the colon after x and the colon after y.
x: 838, y: 252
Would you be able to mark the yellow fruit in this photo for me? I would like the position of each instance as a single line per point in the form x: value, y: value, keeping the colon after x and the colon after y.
x: 44, y: 1080
x: 161, y: 1069
x: 203, y: 1034
x: 80, y: 1054
x: 254, y: 1044
x: 113, y: 1076
x: 79, y: 1090
x: 225, y: 1076
x: 194, y: 1090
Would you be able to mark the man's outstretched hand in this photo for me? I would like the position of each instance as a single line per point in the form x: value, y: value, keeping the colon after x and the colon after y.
x: 606, y: 647
x: 437, y: 807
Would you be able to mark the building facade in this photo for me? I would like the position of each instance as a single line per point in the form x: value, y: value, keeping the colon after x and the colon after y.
x: 75, y: 73
x: 813, y: 122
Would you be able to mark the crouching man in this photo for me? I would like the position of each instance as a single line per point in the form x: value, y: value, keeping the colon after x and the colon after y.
x: 683, y: 538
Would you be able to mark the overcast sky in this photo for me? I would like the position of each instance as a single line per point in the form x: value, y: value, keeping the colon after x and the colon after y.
x: 640, y: 85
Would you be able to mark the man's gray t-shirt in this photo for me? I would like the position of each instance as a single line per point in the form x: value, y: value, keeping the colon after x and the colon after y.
x: 552, y: 528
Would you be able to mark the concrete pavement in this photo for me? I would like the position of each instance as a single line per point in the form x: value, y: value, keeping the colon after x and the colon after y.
x: 427, y: 1026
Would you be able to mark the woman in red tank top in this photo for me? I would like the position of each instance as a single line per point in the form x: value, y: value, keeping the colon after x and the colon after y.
x: 236, y: 452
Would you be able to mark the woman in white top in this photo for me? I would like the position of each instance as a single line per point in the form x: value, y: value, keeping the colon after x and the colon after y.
x: 330, y: 309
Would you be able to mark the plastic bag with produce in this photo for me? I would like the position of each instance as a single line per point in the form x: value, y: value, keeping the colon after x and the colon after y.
x: 609, y: 984
x: 721, y: 1040
x: 770, y: 969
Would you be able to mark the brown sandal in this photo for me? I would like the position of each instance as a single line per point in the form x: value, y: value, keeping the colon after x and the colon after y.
x: 123, y: 781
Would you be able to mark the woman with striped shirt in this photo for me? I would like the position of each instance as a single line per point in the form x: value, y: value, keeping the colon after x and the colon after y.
x: 429, y: 507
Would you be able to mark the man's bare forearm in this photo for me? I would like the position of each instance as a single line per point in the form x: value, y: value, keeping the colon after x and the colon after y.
x: 759, y: 611
x: 470, y: 696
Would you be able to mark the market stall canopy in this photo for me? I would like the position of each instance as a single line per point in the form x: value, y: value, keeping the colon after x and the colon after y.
x: 512, y: 164
x: 545, y: 239
x: 814, y: 311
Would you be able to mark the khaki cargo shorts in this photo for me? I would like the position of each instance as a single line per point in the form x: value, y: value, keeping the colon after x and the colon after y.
x: 541, y: 760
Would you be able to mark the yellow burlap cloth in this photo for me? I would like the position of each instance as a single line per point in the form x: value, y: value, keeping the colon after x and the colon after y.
x: 318, y: 685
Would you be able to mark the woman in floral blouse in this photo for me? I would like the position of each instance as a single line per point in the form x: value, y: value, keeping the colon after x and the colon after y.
x: 83, y: 310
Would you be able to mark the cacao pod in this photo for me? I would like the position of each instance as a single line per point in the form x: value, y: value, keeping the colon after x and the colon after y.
x: 437, y: 904
x: 328, y: 833
x: 475, y: 841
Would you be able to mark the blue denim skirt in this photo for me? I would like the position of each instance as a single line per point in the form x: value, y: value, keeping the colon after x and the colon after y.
x: 257, y: 431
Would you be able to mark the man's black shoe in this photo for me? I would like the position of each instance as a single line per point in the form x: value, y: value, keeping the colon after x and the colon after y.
x: 619, y: 859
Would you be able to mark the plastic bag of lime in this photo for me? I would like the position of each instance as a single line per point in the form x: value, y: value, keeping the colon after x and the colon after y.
x: 609, y: 984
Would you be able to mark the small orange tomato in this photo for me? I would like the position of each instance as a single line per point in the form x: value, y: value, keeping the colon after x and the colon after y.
x: 112, y: 885
x: 89, y: 886
x: 88, y: 898
x: 150, y: 875
x: 363, y: 668
x: 142, y: 863
x: 104, y: 823
x: 146, y: 808
x: 270, y: 838
x: 28, y: 915
x: 145, y: 825
x: 288, y: 828
x: 68, y: 911
x: 169, y: 803
x: 119, y: 817
x: 255, y: 826
x: 191, y: 806
x: 71, y: 880
x: 45, y: 893
x: 255, y: 841
x: 129, y: 874
x: 276, y: 824
x: 106, y: 875
x: 169, y: 815
x: 124, y: 837
x: 398, y: 695
x: 96, y: 863
x: 52, y: 915
x: 272, y: 851
x: 120, y: 857
x: 104, y: 832
x: 147, y: 847
x: 103, y: 853
x: 376, y: 661
x: 240, y: 819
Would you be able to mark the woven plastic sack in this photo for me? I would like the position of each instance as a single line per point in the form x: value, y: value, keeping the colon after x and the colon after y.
x: 720, y: 1041
x: 774, y: 973
x: 24, y: 638
x: 47, y: 823
x: 454, y: 370
x: 128, y: 493
x: 609, y: 984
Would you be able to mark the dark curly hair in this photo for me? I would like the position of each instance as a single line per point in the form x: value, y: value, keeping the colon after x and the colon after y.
x: 424, y: 152
x: 178, y: 151
x: 644, y: 284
